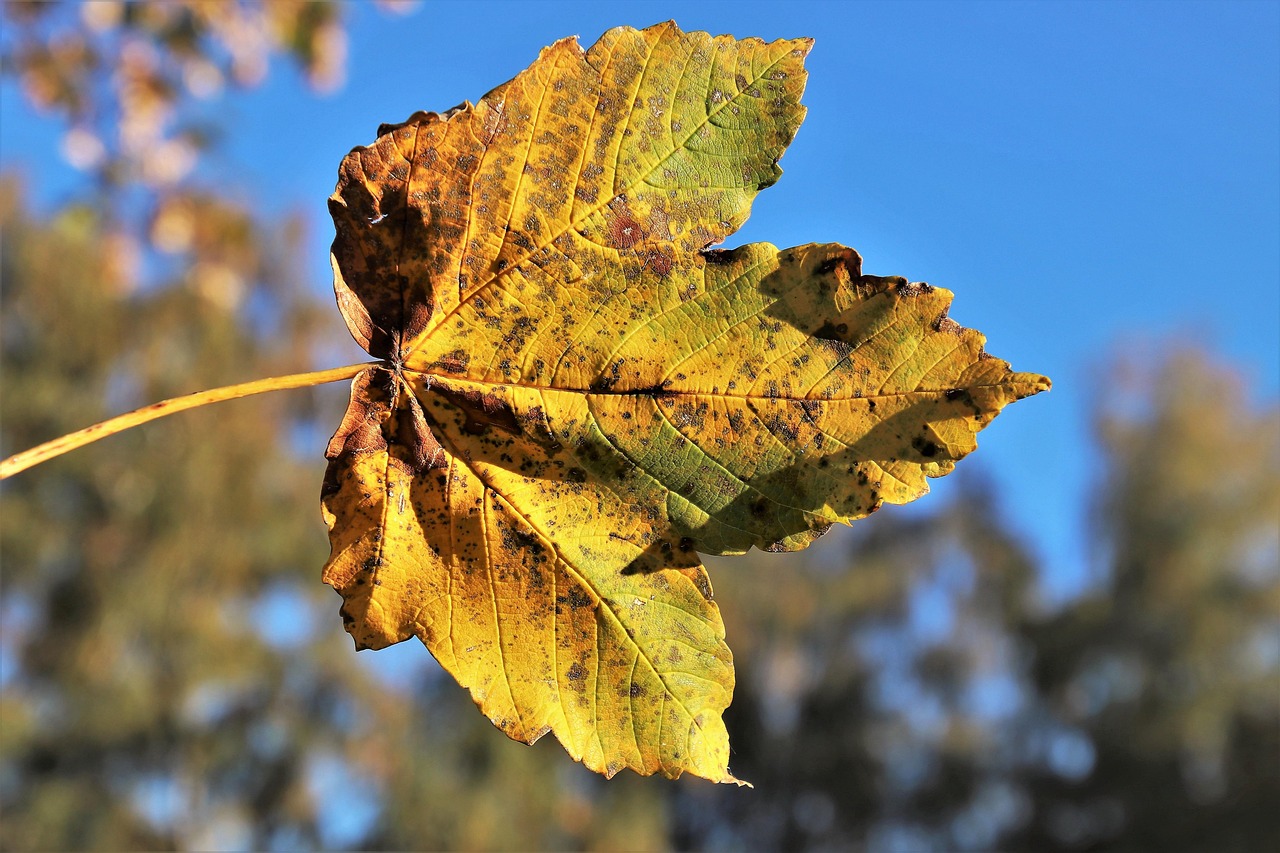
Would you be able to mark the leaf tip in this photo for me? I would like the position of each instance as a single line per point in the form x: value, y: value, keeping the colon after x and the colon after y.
x: 1034, y: 383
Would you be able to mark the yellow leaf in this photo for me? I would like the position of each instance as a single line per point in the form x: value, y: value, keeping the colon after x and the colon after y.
x: 577, y: 396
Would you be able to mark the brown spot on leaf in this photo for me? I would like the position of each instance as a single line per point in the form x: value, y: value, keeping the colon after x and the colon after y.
x: 454, y: 362
x: 660, y: 261
x: 947, y: 326
x: 623, y: 231
x: 914, y: 288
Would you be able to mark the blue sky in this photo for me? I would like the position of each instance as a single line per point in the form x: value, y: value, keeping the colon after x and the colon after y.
x: 1088, y: 178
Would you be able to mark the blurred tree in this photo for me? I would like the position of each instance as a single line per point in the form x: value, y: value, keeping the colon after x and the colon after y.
x: 138, y: 582
x: 1172, y: 667
x: 127, y: 77
x: 137, y: 87
x: 878, y: 686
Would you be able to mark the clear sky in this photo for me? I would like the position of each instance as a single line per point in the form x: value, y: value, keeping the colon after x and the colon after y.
x: 1086, y: 177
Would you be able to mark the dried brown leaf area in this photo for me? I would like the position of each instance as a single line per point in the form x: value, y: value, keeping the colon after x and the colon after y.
x: 577, y: 396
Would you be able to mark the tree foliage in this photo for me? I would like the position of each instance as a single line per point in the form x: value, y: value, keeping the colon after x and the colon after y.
x: 127, y: 77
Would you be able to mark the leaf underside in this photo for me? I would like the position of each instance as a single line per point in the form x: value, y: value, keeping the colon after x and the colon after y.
x: 578, y: 396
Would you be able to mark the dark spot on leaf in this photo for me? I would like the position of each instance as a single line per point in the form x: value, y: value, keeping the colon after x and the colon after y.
x: 927, y: 448
x: 914, y: 288
x: 829, y: 331
x: 514, y: 539
x: 577, y: 599
x: 947, y: 326
x: 454, y: 362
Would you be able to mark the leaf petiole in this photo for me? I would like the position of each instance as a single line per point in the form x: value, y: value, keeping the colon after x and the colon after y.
x: 58, y: 446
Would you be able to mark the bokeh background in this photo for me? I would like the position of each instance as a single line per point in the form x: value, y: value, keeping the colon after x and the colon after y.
x: 1073, y: 644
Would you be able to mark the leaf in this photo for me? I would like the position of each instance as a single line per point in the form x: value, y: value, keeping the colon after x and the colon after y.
x: 577, y: 396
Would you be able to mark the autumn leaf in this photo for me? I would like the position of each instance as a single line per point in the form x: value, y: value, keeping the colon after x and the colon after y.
x: 576, y: 395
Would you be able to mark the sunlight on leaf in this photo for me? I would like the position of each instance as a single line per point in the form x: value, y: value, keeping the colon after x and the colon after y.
x: 578, y: 395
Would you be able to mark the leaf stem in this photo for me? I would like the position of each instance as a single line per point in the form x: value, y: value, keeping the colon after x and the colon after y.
x: 58, y: 446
